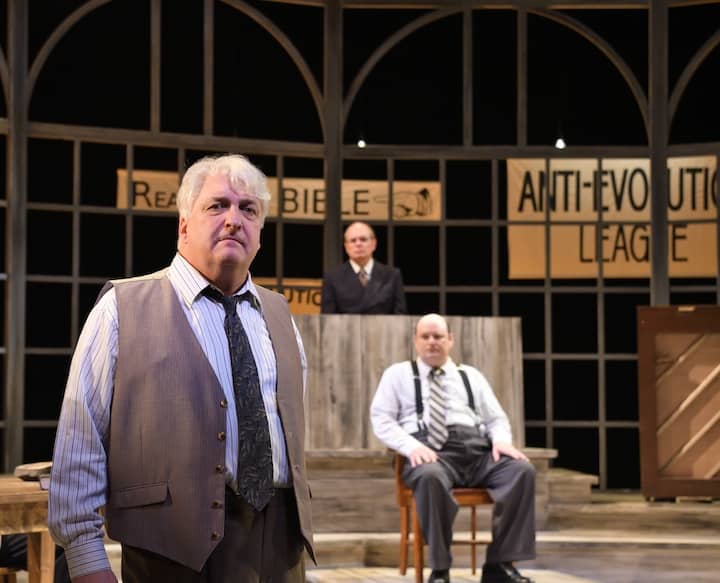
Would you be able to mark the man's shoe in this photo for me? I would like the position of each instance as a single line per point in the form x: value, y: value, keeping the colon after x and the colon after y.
x: 439, y: 576
x: 502, y: 573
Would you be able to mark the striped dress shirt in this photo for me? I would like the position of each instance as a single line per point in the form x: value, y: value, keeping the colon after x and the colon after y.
x: 83, y: 429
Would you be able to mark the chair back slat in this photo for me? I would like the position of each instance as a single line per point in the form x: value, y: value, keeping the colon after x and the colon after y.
x: 402, y: 492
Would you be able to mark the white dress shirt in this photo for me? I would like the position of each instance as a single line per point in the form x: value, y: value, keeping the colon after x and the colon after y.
x: 83, y: 430
x: 394, y: 415
x: 367, y: 269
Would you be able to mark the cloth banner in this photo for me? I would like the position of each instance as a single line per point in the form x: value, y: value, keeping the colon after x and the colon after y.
x: 597, y: 212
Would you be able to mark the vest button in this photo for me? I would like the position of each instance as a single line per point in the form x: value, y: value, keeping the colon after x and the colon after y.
x: 221, y: 436
x: 215, y: 535
x: 217, y: 504
x: 224, y: 403
x: 220, y: 469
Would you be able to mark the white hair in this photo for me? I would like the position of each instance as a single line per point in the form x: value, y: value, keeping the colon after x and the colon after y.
x: 241, y: 172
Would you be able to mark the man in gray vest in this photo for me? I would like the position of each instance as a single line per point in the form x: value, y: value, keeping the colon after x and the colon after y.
x: 183, y: 413
x: 445, y: 419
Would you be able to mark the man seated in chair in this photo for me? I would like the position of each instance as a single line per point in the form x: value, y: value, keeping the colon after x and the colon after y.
x: 445, y: 419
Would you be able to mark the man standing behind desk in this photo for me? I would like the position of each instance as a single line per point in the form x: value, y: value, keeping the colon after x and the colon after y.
x: 183, y: 413
x: 362, y: 285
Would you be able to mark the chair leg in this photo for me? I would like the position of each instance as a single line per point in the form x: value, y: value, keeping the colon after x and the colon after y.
x: 473, y: 544
x: 417, y: 546
x: 404, y: 535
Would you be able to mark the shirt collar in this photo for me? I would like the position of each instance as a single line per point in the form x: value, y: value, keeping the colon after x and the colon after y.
x: 368, y: 267
x: 424, y: 369
x: 190, y: 283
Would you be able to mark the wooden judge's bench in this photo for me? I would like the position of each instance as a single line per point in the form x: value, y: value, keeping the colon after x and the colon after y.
x: 349, y: 468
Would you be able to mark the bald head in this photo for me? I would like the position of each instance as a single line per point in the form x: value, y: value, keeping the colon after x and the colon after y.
x: 433, y: 340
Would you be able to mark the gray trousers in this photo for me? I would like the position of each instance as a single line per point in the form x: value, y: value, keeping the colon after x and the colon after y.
x: 465, y: 461
x: 258, y: 547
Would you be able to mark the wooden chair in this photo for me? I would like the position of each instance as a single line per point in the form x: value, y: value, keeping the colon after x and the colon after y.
x: 8, y: 575
x: 471, y: 497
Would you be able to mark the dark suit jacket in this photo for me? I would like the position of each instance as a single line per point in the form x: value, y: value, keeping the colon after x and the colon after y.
x: 342, y: 292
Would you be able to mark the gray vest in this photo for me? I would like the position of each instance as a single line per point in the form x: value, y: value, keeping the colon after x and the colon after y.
x: 166, y: 452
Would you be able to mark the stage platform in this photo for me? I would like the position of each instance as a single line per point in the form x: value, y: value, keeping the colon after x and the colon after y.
x: 366, y: 575
x: 610, y: 538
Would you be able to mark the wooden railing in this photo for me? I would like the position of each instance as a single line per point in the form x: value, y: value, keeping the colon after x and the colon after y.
x: 347, y: 354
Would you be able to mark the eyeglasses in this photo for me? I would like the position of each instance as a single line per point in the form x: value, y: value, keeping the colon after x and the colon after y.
x: 358, y: 239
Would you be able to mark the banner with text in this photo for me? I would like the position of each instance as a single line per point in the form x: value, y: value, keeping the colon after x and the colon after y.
x: 303, y: 295
x: 614, y: 194
x: 299, y: 198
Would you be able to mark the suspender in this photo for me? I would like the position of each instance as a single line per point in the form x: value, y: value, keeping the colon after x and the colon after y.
x: 466, y: 382
x: 418, y: 392
x: 418, y: 396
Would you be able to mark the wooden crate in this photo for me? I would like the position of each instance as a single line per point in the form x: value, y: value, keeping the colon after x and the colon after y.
x: 679, y: 399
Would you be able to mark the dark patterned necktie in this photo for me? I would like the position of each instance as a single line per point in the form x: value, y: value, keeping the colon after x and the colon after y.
x: 255, y: 466
x: 363, y: 277
x: 437, y: 428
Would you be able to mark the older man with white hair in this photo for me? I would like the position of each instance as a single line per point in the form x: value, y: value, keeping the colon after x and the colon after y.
x: 445, y: 419
x: 183, y: 413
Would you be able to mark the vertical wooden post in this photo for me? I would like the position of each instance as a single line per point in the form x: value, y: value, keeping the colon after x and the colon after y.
x: 333, y: 133
x: 658, y: 107
x: 16, y: 225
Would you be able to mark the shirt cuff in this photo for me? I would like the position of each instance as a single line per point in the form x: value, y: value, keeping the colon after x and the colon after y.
x: 87, y: 557
x: 410, y: 444
x: 501, y: 437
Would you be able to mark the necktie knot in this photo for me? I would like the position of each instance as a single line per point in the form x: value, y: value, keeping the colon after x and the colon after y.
x: 229, y: 303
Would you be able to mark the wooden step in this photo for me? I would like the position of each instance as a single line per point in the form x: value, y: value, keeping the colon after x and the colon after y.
x: 354, y: 490
x: 569, y: 486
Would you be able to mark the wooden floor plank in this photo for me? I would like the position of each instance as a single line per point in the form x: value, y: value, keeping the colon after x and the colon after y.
x: 384, y: 575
